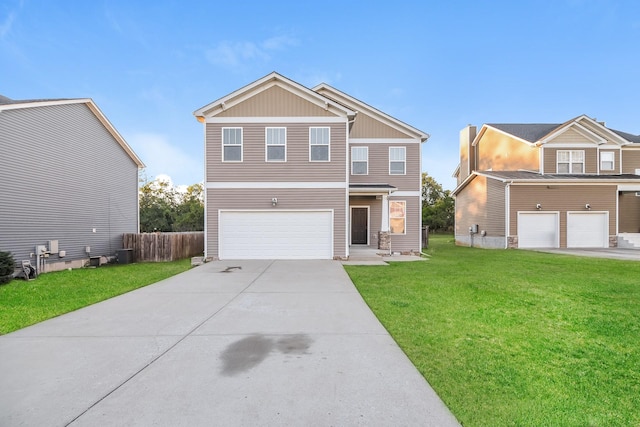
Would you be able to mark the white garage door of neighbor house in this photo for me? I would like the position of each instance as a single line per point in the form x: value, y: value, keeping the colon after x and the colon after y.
x: 276, y: 234
x: 538, y: 230
x: 587, y: 229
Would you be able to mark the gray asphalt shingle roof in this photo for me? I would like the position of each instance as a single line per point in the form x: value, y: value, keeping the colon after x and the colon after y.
x: 529, y: 132
x: 533, y: 132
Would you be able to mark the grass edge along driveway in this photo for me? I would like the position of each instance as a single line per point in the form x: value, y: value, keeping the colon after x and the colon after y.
x: 513, y: 337
x: 25, y: 303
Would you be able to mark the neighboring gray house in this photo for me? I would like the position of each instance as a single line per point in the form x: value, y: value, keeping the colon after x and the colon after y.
x: 299, y: 173
x: 68, y: 183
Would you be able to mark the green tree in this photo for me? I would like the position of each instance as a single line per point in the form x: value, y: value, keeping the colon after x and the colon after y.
x: 157, y: 206
x: 164, y: 208
x: 190, y: 210
x: 438, y: 207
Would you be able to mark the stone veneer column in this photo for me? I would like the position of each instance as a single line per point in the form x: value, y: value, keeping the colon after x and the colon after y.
x: 384, y: 239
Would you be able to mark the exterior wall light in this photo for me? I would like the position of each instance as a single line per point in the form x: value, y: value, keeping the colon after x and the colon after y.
x: 538, y: 206
x: 587, y: 206
x: 274, y: 201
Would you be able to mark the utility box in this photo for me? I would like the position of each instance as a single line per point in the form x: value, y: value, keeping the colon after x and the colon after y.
x: 125, y: 256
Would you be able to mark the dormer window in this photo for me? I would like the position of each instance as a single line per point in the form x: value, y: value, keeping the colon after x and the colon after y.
x: 570, y: 161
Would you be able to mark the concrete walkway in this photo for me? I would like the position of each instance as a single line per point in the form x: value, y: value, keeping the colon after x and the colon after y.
x: 244, y: 343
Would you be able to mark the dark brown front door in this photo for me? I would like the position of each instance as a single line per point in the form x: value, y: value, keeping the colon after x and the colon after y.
x: 359, y: 226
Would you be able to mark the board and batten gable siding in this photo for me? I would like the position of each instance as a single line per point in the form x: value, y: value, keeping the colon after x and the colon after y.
x: 275, y: 102
x: 481, y: 202
x: 379, y: 166
x: 499, y: 151
x: 64, y: 175
x: 590, y: 159
x: 630, y: 160
x: 255, y: 168
x: 629, y: 217
x: 562, y: 198
x: 288, y: 198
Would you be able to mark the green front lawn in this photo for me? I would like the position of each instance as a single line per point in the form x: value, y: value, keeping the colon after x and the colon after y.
x: 510, y: 337
x: 25, y: 303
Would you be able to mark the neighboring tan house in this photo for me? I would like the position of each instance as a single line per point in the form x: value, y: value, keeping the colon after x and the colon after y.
x: 68, y: 183
x: 569, y: 185
x: 299, y: 173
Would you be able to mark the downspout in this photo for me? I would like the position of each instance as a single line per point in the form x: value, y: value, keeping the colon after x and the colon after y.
x: 507, y: 208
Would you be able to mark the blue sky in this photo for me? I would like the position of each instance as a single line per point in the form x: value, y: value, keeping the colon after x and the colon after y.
x: 437, y: 65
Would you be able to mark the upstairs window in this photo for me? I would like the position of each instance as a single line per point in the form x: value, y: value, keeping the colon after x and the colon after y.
x: 607, y: 160
x: 397, y: 160
x: 319, y: 144
x: 276, y: 144
x: 570, y: 161
x: 397, y: 216
x: 231, y: 144
x: 359, y: 160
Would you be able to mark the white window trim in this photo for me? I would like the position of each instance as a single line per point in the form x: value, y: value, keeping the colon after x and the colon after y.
x: 328, y: 144
x: 613, y: 160
x: 405, y: 217
x: 266, y: 145
x: 366, y: 161
x: 571, y: 162
x: 233, y: 145
x: 405, y: 160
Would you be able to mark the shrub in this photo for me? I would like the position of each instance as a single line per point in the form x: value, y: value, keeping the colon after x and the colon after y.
x: 7, y: 265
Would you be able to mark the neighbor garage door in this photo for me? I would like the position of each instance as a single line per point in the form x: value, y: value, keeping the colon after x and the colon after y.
x: 538, y: 230
x: 276, y: 234
x: 587, y: 229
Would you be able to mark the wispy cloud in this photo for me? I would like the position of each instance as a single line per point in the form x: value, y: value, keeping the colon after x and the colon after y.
x: 235, y: 53
x: 9, y: 19
x: 163, y: 158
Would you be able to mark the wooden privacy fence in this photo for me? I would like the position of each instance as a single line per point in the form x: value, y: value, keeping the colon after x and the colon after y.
x: 164, y: 246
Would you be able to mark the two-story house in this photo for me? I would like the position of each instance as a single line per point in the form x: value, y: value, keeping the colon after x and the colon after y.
x: 69, y: 183
x: 299, y: 173
x: 569, y: 185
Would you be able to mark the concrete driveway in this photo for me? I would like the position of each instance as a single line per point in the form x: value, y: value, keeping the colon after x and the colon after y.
x: 229, y: 343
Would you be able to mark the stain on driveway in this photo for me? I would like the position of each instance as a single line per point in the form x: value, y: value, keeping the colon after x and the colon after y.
x: 250, y: 351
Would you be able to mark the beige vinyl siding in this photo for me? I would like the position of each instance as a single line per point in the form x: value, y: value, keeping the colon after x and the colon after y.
x: 629, y: 217
x: 375, y: 215
x: 260, y: 199
x: 630, y: 160
x: 571, y: 136
x: 616, y: 162
x: 498, y: 151
x: 590, y: 159
x: 276, y: 102
x: 379, y: 167
x: 366, y: 126
x: 562, y: 198
x: 411, y: 240
x: 481, y: 202
x: 254, y: 167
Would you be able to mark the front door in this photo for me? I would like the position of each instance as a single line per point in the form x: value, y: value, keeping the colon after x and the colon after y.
x: 359, y: 226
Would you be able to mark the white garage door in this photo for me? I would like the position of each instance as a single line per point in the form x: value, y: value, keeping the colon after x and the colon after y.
x: 587, y: 229
x: 276, y: 234
x: 538, y: 230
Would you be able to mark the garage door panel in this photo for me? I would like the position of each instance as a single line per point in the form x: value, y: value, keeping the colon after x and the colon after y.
x: 587, y: 229
x: 276, y: 235
x: 538, y: 229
